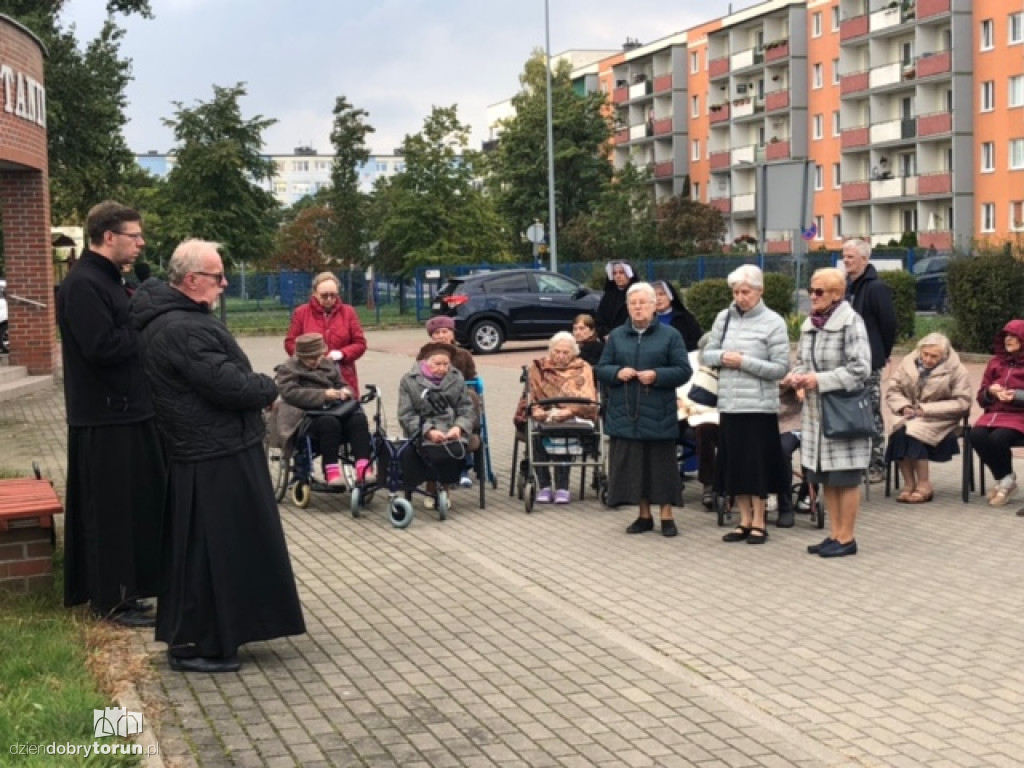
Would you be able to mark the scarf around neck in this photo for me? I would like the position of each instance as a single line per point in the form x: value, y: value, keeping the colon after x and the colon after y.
x: 818, y: 319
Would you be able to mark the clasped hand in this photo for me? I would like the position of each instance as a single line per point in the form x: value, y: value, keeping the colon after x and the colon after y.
x: 646, y: 378
x: 337, y: 394
x: 437, y: 436
x: 1001, y: 393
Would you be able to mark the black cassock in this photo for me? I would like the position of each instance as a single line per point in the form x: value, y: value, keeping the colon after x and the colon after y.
x: 230, y: 579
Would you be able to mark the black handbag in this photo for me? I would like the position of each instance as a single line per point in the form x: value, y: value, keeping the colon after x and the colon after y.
x: 847, y: 415
x: 704, y: 386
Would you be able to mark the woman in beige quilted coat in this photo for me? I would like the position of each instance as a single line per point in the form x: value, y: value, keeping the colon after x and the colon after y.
x: 929, y: 393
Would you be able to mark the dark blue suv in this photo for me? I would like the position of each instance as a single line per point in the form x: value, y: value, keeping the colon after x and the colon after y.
x: 511, y: 305
x: 931, y: 283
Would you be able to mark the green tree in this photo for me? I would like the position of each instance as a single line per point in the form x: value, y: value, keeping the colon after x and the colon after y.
x: 211, y: 191
x: 85, y: 105
x: 620, y: 225
x: 346, y: 234
x: 687, y: 227
x: 432, y: 212
x: 519, y: 165
x: 300, y: 242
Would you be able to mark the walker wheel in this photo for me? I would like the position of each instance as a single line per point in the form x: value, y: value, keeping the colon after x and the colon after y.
x: 356, y: 501
x: 443, y: 504
x: 529, y: 496
x: 301, y: 494
x: 400, y: 512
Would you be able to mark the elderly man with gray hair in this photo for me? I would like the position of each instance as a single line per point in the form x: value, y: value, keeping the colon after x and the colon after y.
x: 872, y: 300
x: 229, y: 578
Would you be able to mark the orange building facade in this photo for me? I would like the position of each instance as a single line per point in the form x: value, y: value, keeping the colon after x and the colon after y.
x: 910, y: 112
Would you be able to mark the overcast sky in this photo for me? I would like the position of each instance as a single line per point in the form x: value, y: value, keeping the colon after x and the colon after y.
x: 394, y: 58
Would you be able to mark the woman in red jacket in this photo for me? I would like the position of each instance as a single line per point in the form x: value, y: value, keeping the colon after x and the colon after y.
x: 336, y: 321
x: 1001, y: 427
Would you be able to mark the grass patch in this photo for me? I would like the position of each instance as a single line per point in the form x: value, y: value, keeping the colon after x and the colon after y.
x: 269, y: 318
x: 48, y: 687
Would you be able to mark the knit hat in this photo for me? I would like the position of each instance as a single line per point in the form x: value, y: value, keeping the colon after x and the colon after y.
x: 433, y: 347
x: 440, y: 321
x: 310, y: 345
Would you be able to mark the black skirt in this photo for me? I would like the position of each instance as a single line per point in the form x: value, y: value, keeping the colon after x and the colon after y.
x: 643, y: 470
x: 901, y: 446
x: 231, y: 580
x: 113, y: 517
x: 750, y: 460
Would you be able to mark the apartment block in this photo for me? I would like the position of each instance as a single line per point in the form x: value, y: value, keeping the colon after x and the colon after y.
x: 910, y: 112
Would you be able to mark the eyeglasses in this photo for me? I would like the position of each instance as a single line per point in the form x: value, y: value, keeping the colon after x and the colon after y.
x: 218, y: 276
x: 818, y: 292
x: 327, y: 296
x: 136, y: 236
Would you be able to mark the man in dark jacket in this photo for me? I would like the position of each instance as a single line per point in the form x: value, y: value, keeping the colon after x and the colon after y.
x: 872, y: 300
x: 115, y: 488
x: 230, y: 578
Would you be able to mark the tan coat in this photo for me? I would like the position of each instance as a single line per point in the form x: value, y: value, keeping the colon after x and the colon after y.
x: 945, y: 397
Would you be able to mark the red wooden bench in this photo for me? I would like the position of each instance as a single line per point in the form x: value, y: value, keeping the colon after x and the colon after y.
x: 27, y: 507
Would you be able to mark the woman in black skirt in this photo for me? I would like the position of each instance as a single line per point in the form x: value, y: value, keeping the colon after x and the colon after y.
x: 642, y: 364
x: 750, y: 345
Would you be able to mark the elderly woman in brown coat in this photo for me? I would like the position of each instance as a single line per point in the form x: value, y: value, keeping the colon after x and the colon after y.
x: 928, y: 393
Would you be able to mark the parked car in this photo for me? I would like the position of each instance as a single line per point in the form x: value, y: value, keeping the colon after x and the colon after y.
x: 511, y: 305
x: 5, y: 342
x: 931, y: 283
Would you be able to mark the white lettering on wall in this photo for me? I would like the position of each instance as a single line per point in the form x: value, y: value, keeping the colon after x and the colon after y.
x: 24, y: 96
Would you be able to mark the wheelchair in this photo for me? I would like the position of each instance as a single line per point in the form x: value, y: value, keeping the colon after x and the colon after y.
x: 293, y: 464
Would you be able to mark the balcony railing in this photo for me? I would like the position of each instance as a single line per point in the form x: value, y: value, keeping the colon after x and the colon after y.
x: 887, y: 74
x: 934, y: 64
x: 742, y: 107
x: 776, y: 150
x: 855, y: 27
x: 900, y: 186
x: 890, y: 130
x: 928, y: 8
x: 934, y: 124
x: 662, y: 83
x: 939, y: 239
x: 620, y: 94
x: 743, y: 203
x: 856, y: 137
x: 885, y: 18
x: 744, y: 155
x: 664, y: 170
x: 779, y: 50
x: 640, y: 131
x: 722, y: 204
x: 778, y: 246
x: 720, y: 160
x: 935, y: 184
x: 663, y: 126
x: 855, y: 191
x: 640, y: 89
x: 776, y: 100
x: 853, y: 83
x: 742, y: 59
x: 720, y: 115
x: 718, y: 67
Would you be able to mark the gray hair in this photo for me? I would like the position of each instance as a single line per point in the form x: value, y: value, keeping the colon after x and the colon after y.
x: 645, y: 288
x: 564, y: 336
x: 938, y: 341
x: 747, y: 273
x: 862, y: 247
x: 188, y: 257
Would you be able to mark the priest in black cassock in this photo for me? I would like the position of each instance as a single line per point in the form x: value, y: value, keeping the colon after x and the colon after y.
x: 230, y: 579
x: 115, y: 475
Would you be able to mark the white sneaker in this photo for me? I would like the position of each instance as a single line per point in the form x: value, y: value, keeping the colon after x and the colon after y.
x: 465, y: 481
x: 429, y: 502
x: 771, y: 504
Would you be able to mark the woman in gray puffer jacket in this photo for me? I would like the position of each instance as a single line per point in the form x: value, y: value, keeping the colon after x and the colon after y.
x: 750, y: 345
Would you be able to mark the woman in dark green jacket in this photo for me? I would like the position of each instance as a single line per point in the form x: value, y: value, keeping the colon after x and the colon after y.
x: 642, y: 364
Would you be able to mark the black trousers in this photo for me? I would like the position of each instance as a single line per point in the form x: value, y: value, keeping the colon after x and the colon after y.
x: 327, y: 433
x: 993, y: 447
x: 789, y: 443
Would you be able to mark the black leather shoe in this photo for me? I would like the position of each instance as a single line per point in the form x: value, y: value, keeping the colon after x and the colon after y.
x: 785, y: 519
x: 641, y: 525
x: 814, y: 549
x: 668, y: 528
x: 204, y: 664
x: 836, y: 549
x: 132, y: 618
x: 740, y: 533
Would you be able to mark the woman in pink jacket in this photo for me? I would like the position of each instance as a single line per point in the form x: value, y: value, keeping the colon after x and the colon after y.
x: 336, y: 321
x: 1001, y: 427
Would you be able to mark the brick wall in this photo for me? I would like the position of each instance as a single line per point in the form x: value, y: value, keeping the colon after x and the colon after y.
x: 26, y: 559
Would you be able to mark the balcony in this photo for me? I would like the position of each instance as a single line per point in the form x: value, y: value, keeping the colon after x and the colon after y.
x: 718, y: 67
x: 664, y: 170
x: 742, y: 107
x: 662, y: 83
x: 640, y: 88
x: 934, y: 64
x: 776, y: 100
x: 884, y: 238
x: 934, y: 124
x: 620, y: 94
x: 939, y: 239
x: 935, y: 184
x: 900, y: 186
x: 721, y: 204
x: 929, y: 8
x: 742, y: 59
x: 719, y: 160
x: 744, y: 155
x: 663, y: 126
x: 778, y: 246
x: 856, y: 137
x: 887, y: 74
x: 776, y: 51
x: 890, y: 130
x: 640, y: 131
x: 855, y: 27
x: 720, y: 115
x: 854, y: 83
x: 776, y: 150
x: 622, y: 136
x: 885, y: 18
x: 743, y: 203
x: 856, y: 191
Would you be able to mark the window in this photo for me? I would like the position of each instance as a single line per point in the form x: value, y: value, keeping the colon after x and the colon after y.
x: 816, y: 24
x: 835, y: 71
x: 301, y: 188
x: 1016, y: 98
x: 835, y: 18
x: 819, y: 126
x: 819, y: 177
x: 988, y: 217
x: 1017, y: 215
x: 399, y: 167
x: 837, y: 175
x: 819, y: 77
x: 837, y: 227
x: 819, y: 225
x: 323, y: 165
x: 987, y: 35
x: 1015, y: 25
x: 695, y: 155
x: 1016, y: 154
x: 695, y: 106
x: 516, y: 283
x: 695, y: 61
x: 547, y: 283
x: 300, y: 166
x: 280, y: 188
x: 836, y: 127
x: 988, y: 96
x: 381, y: 166
x: 988, y: 157
x: 696, y: 191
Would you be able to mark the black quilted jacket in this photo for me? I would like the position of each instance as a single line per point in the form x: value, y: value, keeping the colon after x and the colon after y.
x: 208, y: 399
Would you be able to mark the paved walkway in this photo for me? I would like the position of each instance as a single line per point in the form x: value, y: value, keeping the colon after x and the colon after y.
x: 501, y: 639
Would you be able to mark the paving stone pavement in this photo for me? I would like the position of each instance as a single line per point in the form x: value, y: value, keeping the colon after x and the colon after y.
x: 498, y: 638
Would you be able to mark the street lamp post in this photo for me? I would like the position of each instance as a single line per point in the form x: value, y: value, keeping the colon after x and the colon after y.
x: 553, y: 237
